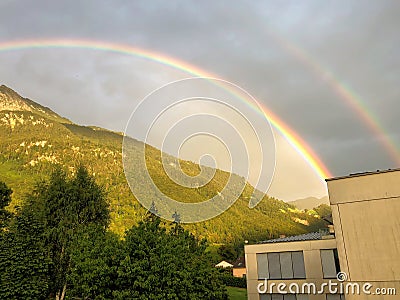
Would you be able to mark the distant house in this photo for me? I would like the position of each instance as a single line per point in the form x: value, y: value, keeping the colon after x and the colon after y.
x: 224, y: 264
x: 239, y: 267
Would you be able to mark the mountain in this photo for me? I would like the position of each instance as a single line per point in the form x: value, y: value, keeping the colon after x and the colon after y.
x: 310, y: 202
x: 33, y: 139
x: 11, y: 101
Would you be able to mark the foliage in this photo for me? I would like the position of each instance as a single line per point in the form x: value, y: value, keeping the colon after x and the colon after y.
x: 167, y: 264
x: 323, y: 210
x: 24, y: 268
x: 230, y: 280
x: 95, y: 259
x: 58, y: 247
x: 55, y: 213
x: 228, y: 252
x: 5, y: 195
x: 5, y: 199
x: 23, y: 262
x: 65, y: 205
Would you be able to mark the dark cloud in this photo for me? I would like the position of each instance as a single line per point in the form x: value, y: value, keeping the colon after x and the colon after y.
x: 282, y: 52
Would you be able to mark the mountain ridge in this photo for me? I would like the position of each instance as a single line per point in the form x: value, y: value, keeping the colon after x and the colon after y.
x: 309, y: 202
x: 12, y: 101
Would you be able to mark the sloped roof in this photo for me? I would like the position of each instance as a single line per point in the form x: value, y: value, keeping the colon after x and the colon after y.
x: 224, y: 264
x: 302, y: 237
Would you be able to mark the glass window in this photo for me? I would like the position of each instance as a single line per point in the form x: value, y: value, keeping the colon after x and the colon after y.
x: 328, y: 263
x: 283, y: 297
x: 262, y: 266
x: 298, y: 265
x: 265, y: 297
x: 283, y: 265
x: 274, y: 266
x: 285, y: 259
x: 334, y: 297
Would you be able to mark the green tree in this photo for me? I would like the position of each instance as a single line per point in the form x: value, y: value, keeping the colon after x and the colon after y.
x: 5, y: 199
x: 166, y: 264
x: 95, y: 257
x: 55, y: 213
x: 323, y: 210
x: 69, y: 205
x: 228, y: 252
x: 24, y: 264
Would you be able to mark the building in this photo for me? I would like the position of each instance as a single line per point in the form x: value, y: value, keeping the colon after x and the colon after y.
x: 366, y: 215
x: 298, y: 259
x: 365, y: 247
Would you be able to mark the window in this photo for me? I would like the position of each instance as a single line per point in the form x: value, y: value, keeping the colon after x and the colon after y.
x: 281, y: 265
x: 298, y: 265
x: 330, y: 263
x: 284, y: 297
x: 262, y: 266
x: 271, y: 297
x: 335, y: 297
x: 274, y: 266
x: 285, y: 260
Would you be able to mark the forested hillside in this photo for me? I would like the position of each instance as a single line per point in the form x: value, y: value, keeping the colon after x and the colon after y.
x: 33, y: 139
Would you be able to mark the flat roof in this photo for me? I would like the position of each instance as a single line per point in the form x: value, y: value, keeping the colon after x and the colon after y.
x: 296, y: 238
x: 363, y: 174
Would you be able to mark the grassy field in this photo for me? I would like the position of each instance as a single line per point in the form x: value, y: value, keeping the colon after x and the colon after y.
x: 237, y: 293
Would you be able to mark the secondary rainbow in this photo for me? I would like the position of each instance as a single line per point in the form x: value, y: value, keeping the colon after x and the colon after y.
x: 349, y: 96
x: 290, y: 135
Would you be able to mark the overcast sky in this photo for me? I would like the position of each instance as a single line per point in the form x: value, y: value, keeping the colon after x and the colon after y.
x: 291, y: 55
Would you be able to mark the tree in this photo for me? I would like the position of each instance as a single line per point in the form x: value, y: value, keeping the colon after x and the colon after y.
x: 24, y: 264
x: 95, y: 258
x: 69, y: 205
x: 228, y: 252
x: 55, y: 213
x: 323, y: 210
x: 166, y: 264
x: 5, y: 199
x: 58, y: 247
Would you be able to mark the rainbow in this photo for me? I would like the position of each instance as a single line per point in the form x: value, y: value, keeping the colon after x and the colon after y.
x: 353, y: 100
x: 289, y: 134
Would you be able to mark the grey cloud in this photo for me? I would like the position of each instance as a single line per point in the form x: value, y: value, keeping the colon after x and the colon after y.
x: 357, y: 42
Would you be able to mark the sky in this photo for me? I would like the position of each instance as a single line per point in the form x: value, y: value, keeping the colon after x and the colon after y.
x: 328, y: 69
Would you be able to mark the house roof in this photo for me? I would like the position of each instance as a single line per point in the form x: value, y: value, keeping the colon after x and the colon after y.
x: 224, y: 264
x: 363, y: 174
x: 302, y: 237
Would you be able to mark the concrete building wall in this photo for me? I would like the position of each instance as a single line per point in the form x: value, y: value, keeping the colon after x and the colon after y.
x: 366, y: 215
x: 312, y: 263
